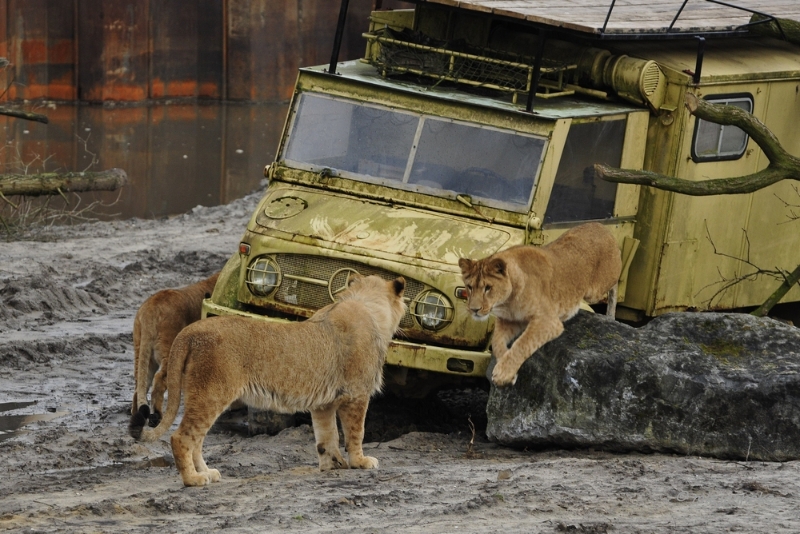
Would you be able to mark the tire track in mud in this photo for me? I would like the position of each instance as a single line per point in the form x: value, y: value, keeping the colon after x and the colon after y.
x: 47, y: 296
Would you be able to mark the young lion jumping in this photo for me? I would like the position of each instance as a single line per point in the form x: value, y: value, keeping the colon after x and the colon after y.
x: 162, y: 316
x: 531, y: 290
x: 330, y: 364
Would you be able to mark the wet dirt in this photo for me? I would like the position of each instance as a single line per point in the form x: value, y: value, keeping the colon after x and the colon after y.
x: 67, y: 302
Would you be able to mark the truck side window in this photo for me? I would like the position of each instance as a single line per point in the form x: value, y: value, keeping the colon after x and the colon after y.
x: 716, y: 142
x: 577, y: 194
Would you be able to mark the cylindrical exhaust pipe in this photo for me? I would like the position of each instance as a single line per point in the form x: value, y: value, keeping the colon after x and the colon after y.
x: 636, y: 80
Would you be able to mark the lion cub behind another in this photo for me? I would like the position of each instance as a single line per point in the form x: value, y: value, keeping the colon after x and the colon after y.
x: 159, y: 319
x: 330, y: 364
x: 531, y: 290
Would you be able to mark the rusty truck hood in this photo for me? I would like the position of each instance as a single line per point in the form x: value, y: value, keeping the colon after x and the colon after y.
x: 405, y: 231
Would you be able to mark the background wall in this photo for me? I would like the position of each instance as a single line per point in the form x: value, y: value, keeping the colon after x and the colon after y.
x: 133, y: 50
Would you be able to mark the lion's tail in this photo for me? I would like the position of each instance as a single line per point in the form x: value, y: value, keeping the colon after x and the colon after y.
x: 143, y: 352
x: 177, y: 361
x: 137, y: 342
x: 143, y: 346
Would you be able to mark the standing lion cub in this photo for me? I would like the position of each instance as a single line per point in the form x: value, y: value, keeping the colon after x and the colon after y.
x: 330, y: 364
x: 531, y: 290
x: 160, y: 318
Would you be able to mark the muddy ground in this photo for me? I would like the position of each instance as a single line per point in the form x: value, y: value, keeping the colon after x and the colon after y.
x: 67, y: 301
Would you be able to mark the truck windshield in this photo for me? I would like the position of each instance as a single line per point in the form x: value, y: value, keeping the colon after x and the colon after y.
x: 415, y: 152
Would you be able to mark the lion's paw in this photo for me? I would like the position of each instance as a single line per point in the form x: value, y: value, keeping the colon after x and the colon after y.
x: 201, y: 478
x: 213, y: 475
x: 332, y: 461
x: 365, y: 462
x: 502, y: 377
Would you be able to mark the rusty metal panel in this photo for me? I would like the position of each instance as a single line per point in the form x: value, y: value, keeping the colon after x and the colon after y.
x: 61, y: 50
x: 317, y: 27
x: 114, y: 49
x: 4, y: 77
x: 40, y: 36
x: 261, y: 66
x: 268, y: 40
x: 186, y: 58
x: 28, y: 32
x: 136, y: 49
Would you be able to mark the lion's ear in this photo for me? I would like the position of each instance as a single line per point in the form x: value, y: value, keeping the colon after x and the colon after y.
x: 498, y: 266
x: 399, y: 285
x: 465, y: 264
x: 354, y: 277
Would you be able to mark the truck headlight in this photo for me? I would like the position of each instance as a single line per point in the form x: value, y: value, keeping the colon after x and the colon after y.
x: 263, y: 276
x: 432, y: 310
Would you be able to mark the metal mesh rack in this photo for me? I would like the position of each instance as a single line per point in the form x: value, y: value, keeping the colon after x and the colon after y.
x: 396, y: 56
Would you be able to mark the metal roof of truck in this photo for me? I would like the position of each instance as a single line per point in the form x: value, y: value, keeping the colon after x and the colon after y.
x: 620, y: 18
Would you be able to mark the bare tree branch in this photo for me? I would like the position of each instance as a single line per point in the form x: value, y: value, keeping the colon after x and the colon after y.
x: 789, y: 280
x: 27, y: 115
x: 725, y: 283
x: 789, y: 29
x: 782, y: 166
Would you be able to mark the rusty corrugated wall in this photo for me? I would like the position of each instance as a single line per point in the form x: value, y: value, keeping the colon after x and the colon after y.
x: 132, y: 50
x: 38, y: 39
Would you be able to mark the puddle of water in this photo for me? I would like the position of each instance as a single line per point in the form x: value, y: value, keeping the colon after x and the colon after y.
x: 8, y: 406
x: 176, y: 156
x: 11, y: 425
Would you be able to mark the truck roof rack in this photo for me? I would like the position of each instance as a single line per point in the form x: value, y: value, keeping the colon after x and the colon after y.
x: 592, y: 19
x: 627, y: 19
x: 409, y: 52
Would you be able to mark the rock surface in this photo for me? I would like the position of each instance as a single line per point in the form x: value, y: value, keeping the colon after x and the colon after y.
x: 722, y: 385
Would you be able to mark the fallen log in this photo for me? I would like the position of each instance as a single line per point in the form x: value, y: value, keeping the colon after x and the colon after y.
x: 59, y: 183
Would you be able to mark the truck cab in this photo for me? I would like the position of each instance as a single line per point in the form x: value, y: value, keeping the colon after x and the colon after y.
x: 466, y: 130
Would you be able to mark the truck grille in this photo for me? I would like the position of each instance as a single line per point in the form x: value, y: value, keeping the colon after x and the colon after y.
x: 306, y: 277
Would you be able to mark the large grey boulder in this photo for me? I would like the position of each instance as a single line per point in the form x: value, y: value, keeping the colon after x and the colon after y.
x: 723, y: 385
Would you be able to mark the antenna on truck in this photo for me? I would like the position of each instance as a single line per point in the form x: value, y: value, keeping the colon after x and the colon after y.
x: 337, y: 39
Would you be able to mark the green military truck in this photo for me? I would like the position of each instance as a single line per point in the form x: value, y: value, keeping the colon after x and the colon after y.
x: 472, y: 126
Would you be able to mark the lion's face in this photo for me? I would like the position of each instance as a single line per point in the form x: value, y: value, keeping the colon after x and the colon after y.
x: 487, y: 285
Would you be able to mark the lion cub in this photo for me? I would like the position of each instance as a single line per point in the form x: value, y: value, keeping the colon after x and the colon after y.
x: 157, y: 322
x: 531, y: 290
x: 330, y: 364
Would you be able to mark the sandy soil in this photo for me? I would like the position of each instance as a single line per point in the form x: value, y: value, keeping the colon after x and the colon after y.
x: 67, y: 301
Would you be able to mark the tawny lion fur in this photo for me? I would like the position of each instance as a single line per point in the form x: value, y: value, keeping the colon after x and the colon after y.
x: 158, y: 321
x: 531, y: 290
x: 330, y: 364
